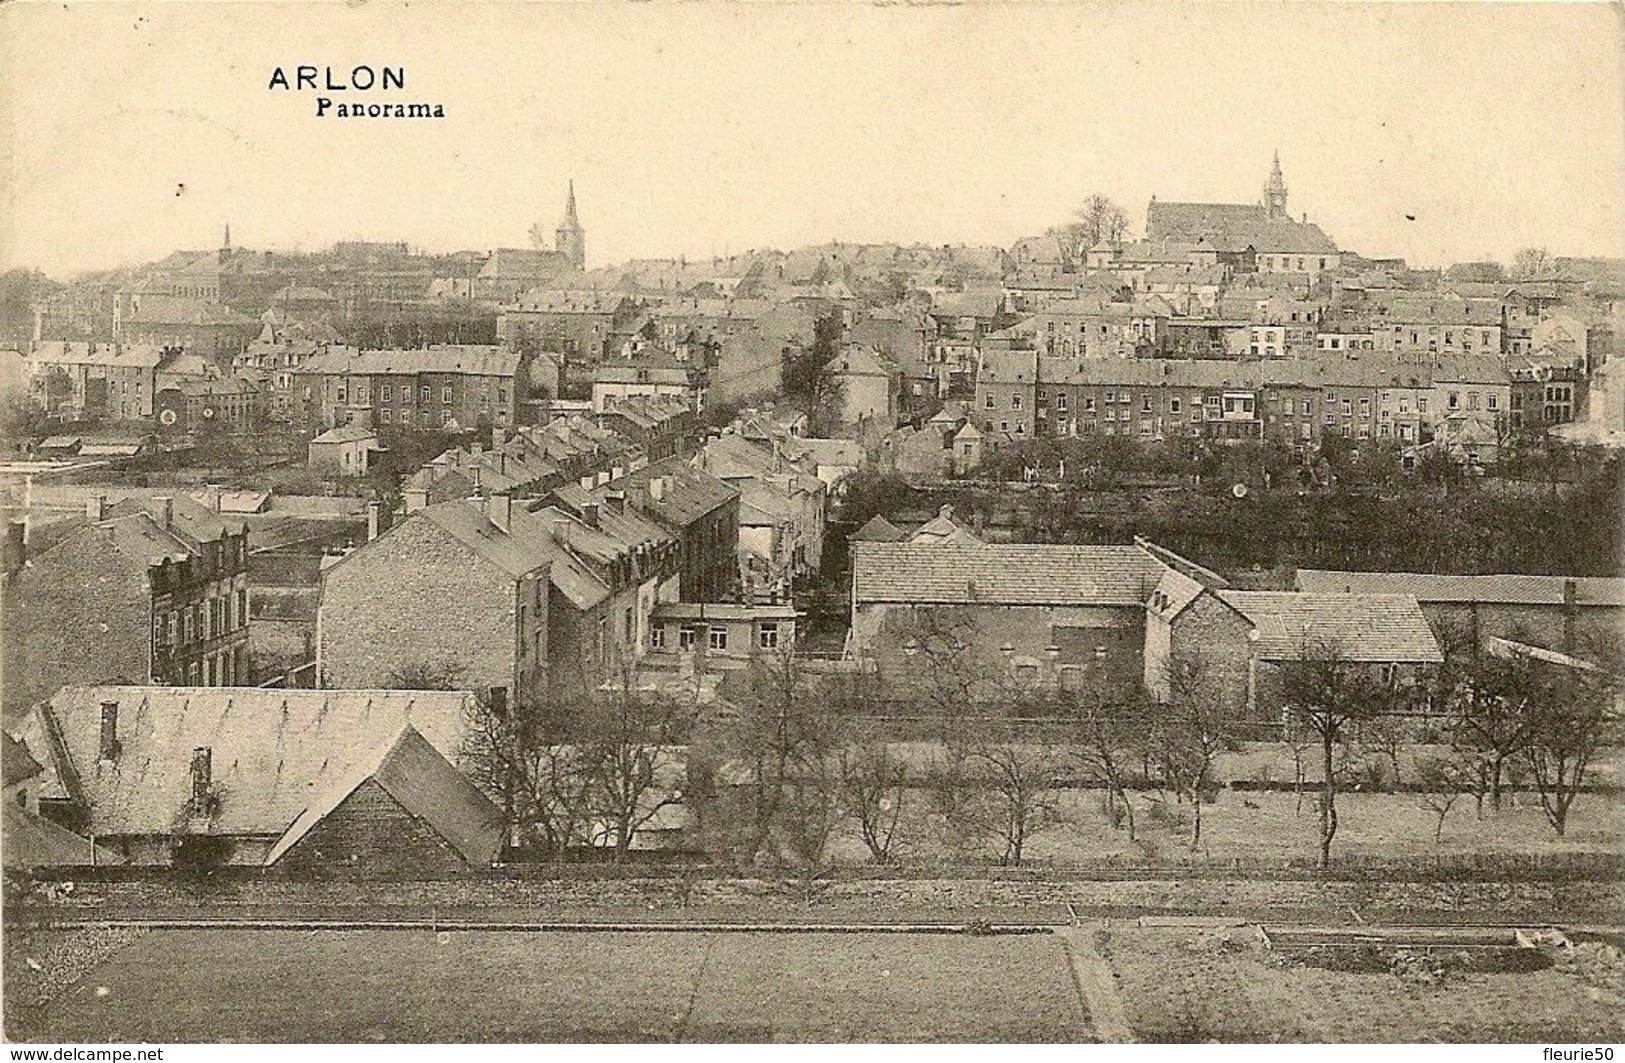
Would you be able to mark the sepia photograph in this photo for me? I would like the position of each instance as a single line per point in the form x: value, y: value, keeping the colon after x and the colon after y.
x: 815, y: 522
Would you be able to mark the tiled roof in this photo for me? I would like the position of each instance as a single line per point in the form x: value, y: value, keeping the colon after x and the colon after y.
x: 1293, y: 625
x: 1505, y: 589
x: 1003, y: 574
x: 272, y: 751
x: 17, y: 765
x: 1173, y: 593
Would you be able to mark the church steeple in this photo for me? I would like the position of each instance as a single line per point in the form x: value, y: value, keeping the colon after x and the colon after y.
x: 570, y: 239
x: 1275, y: 192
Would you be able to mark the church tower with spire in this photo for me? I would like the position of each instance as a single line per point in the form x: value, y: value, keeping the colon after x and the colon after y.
x: 570, y: 239
x: 1275, y: 193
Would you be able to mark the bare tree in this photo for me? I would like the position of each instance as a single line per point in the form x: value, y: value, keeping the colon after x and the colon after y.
x: 634, y: 740
x: 1330, y: 695
x: 1111, y: 736
x: 1533, y: 263
x: 874, y: 789
x: 949, y: 677
x: 1442, y: 779
x: 1492, y: 717
x: 1572, y: 715
x: 1098, y: 220
x: 1190, y: 729
x: 1018, y: 798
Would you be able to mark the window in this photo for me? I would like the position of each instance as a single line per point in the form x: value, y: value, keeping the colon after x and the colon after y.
x: 445, y: 417
x: 406, y: 394
x: 767, y: 635
x: 1173, y: 406
x: 1015, y: 400
x: 1145, y: 404
x: 1088, y: 405
x: 1421, y: 406
x: 657, y: 637
x: 1060, y: 400
x: 384, y: 393
x: 629, y: 624
x: 445, y: 394
x: 1308, y: 406
x: 1472, y: 400
x: 687, y: 636
x: 717, y: 638
x: 989, y: 404
x: 1109, y: 399
x: 383, y: 417
x: 1453, y: 401
x: 1330, y: 397
x: 426, y: 394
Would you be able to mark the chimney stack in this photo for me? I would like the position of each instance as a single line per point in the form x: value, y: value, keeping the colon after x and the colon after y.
x: 96, y: 508
x: 587, y: 482
x: 374, y: 514
x: 163, y: 511
x: 589, y: 514
x: 616, y: 501
x: 108, y: 746
x: 498, y: 437
x: 213, y: 493
x: 201, y: 779
x: 499, y: 509
x: 416, y: 498
x: 657, y: 488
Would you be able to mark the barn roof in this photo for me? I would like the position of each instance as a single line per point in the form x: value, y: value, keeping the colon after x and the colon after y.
x: 1293, y: 625
x: 1002, y: 574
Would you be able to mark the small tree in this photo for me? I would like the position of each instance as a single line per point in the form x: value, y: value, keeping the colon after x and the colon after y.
x: 1190, y: 729
x: 632, y: 739
x: 1571, y: 715
x: 1492, y: 715
x: 1018, y: 796
x: 1111, y: 736
x: 874, y: 789
x: 1330, y: 695
x: 1442, y: 780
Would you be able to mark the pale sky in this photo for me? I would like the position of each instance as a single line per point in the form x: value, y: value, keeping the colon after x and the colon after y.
x: 702, y: 128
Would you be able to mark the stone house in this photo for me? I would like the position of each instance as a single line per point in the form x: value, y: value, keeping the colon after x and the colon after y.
x: 348, y: 782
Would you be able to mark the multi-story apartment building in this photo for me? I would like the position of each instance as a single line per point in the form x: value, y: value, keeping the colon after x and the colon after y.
x: 73, y: 381
x: 441, y: 387
x: 151, y: 591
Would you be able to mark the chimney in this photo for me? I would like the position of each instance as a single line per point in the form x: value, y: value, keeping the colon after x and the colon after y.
x: 96, y: 507
x: 201, y: 780
x: 108, y: 746
x: 587, y: 482
x: 657, y: 488
x: 499, y: 509
x: 946, y: 512
x: 16, y: 546
x: 374, y: 513
x: 616, y: 501
x: 416, y: 498
x: 502, y: 462
x: 498, y: 437
x: 163, y: 511
x: 589, y: 514
x: 213, y: 492
x: 477, y: 477
x: 1571, y: 613
x: 476, y: 449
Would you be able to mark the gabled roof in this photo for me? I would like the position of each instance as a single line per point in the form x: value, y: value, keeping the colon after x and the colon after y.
x: 346, y: 433
x: 424, y: 783
x: 942, y: 530
x: 17, y: 764
x: 877, y: 529
x: 1294, y: 625
x: 1173, y: 593
x: 1505, y: 589
x: 689, y: 493
x: 272, y: 751
x: 35, y: 842
x: 1002, y: 574
x: 469, y: 359
x: 527, y: 545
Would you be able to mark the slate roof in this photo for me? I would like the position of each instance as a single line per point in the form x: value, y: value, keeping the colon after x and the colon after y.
x: 1173, y: 593
x: 1359, y: 627
x: 32, y: 842
x: 527, y: 545
x: 17, y: 764
x: 1506, y: 589
x: 424, y: 783
x: 690, y: 493
x: 346, y: 433
x: 1002, y: 574
x: 1233, y: 227
x: 54, y: 352
x: 472, y: 360
x: 272, y: 751
x: 877, y: 529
